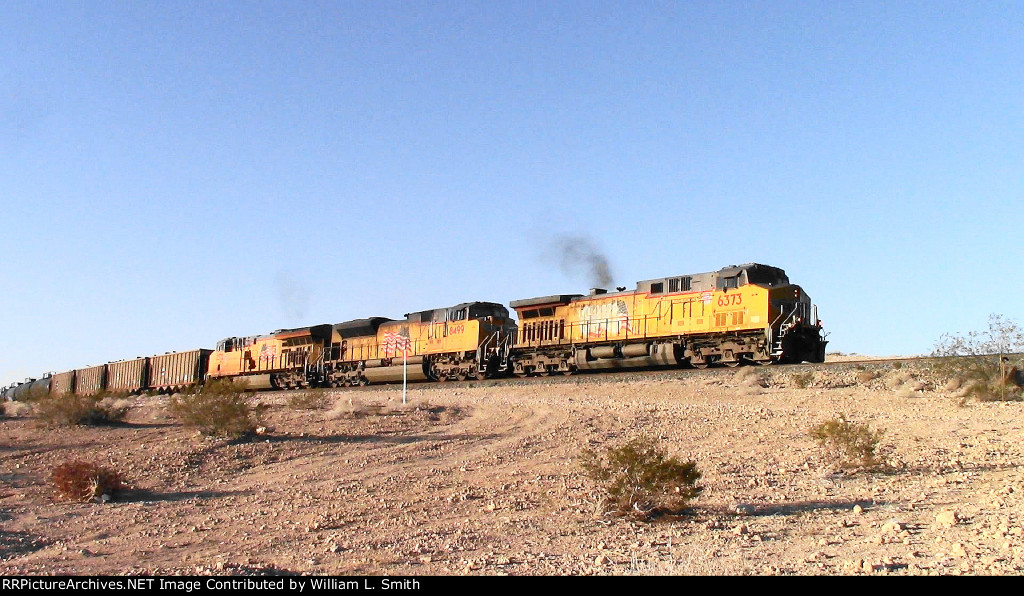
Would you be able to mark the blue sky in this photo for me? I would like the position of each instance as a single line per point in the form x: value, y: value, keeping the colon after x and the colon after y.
x: 174, y: 173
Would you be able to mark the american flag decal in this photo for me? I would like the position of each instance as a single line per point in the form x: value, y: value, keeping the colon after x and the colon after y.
x: 396, y: 342
x: 596, y: 320
x: 624, y: 316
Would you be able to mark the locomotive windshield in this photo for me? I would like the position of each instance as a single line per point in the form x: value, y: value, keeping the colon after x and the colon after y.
x: 763, y: 275
x: 484, y: 309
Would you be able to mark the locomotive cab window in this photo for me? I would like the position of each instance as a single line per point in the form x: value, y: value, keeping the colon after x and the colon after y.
x: 479, y: 311
x: 658, y: 288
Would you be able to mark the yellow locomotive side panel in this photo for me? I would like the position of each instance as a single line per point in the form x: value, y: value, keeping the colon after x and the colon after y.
x: 640, y: 316
x: 610, y: 319
x: 426, y: 338
x: 258, y: 356
x: 450, y: 336
x: 272, y: 353
x: 224, y: 364
x: 738, y: 309
x: 359, y: 348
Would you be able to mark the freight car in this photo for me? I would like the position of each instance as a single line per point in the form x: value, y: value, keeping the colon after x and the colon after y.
x: 169, y: 372
x: 747, y: 313
x: 741, y: 314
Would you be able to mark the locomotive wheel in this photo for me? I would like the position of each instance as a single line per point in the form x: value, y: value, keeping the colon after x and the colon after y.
x: 732, y: 363
x: 480, y: 376
x: 461, y: 376
x: 699, y: 365
x: 442, y: 378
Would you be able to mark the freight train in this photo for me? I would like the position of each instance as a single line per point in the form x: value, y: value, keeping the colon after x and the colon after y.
x: 744, y: 314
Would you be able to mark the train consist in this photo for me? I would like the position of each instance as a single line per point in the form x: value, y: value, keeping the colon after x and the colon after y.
x: 742, y: 314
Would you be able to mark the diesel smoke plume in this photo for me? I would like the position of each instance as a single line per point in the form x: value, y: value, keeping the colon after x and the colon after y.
x: 292, y: 295
x: 577, y: 254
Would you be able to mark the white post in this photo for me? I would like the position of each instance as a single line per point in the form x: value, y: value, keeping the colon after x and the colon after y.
x: 405, y: 372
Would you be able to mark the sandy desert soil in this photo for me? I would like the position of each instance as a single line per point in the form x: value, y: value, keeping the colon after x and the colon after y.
x: 485, y: 479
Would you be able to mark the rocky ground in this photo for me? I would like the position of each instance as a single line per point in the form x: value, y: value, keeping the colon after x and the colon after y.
x: 485, y: 479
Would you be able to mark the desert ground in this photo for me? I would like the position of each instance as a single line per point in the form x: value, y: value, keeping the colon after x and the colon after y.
x: 485, y: 478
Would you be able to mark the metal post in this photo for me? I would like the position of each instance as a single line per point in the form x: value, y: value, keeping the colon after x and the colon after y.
x: 405, y: 372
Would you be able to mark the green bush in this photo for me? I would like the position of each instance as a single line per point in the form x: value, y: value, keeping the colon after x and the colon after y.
x: 639, y: 479
x: 851, y: 445
x: 219, y: 409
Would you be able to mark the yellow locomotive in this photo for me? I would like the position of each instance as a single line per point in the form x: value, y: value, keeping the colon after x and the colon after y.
x: 286, y: 358
x: 742, y: 313
x: 469, y: 340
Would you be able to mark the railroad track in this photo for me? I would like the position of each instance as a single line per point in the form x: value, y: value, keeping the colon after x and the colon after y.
x: 652, y: 374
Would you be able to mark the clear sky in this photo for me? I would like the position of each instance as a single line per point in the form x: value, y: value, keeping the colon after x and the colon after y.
x: 173, y: 173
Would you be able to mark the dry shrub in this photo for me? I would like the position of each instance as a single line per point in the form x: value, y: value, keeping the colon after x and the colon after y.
x: 69, y: 409
x: 346, y: 407
x: 308, y: 400
x: 980, y: 361
x: 219, y: 408
x: 898, y: 379
x: 16, y: 409
x: 638, y: 479
x: 851, y: 445
x: 751, y: 379
x: 354, y: 407
x: 84, y: 482
x: 866, y: 376
x: 803, y: 380
x: 114, y: 407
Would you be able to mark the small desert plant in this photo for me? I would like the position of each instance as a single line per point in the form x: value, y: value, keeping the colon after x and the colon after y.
x: 639, y: 479
x: 866, y: 376
x: 16, y: 409
x: 314, y: 399
x: 803, y: 380
x: 218, y: 408
x: 346, y: 407
x: 979, y: 361
x: 84, y: 482
x: 852, y: 445
x: 749, y: 376
x: 69, y: 409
